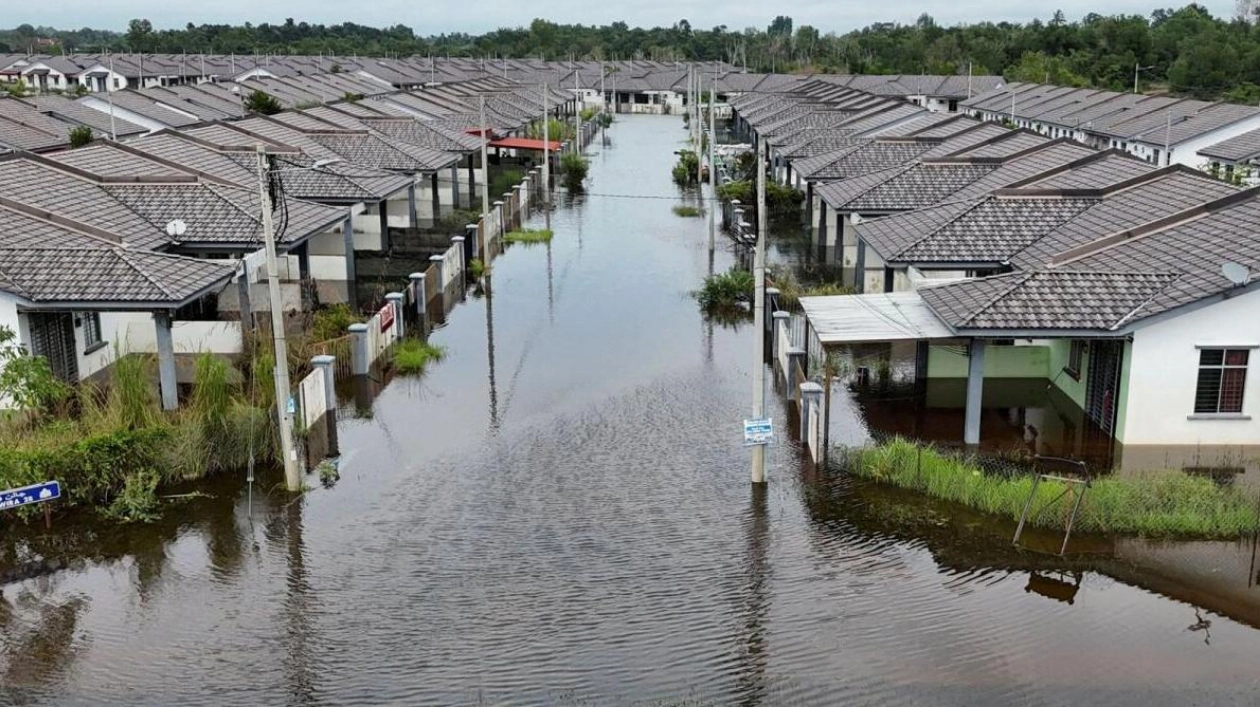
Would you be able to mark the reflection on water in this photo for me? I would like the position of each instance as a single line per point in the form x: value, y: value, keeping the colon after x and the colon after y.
x: 559, y: 513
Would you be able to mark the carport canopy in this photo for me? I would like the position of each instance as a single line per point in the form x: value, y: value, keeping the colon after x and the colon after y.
x: 873, y: 318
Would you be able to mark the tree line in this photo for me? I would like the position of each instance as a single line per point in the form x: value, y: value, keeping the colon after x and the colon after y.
x: 1186, y: 51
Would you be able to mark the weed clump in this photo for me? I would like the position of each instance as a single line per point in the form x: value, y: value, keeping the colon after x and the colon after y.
x: 687, y: 211
x: 413, y: 356
x: 529, y: 235
x: 734, y: 288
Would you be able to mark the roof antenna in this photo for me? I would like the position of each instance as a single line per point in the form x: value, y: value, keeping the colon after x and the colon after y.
x: 1236, y: 273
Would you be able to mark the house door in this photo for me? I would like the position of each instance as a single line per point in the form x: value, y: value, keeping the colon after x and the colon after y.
x: 52, y: 336
x: 1105, y: 359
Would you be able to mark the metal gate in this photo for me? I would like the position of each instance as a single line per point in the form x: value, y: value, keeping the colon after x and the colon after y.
x: 1105, y: 359
x: 52, y: 336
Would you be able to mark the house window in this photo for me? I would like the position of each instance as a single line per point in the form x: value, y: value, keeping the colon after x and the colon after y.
x: 92, y: 332
x: 1075, y: 356
x: 953, y: 106
x: 1222, y: 379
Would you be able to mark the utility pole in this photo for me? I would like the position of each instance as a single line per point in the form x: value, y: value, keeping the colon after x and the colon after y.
x: 109, y: 96
x: 292, y: 477
x: 485, y: 160
x: 1137, y: 66
x: 1167, y: 141
x: 969, y: 81
x: 577, y: 135
x: 699, y: 122
x: 759, y: 323
x: 712, y: 165
x: 546, y: 191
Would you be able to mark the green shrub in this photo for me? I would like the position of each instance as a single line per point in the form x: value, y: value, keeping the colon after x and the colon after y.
x: 687, y: 211
x: 725, y: 290
x: 80, y: 136
x: 502, y: 183
x: 686, y: 169
x: 333, y: 321
x: 262, y: 103
x: 573, y: 168
x: 414, y: 356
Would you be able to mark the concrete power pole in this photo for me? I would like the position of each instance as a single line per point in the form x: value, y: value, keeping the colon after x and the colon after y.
x: 712, y: 166
x: 485, y: 159
x: 577, y: 135
x: 292, y: 476
x: 546, y: 197
x: 759, y: 323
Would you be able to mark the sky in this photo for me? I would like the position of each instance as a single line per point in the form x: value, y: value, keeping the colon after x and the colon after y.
x: 428, y: 18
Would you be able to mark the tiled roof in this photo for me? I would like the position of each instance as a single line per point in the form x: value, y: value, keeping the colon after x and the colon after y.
x: 991, y: 231
x: 1047, y: 300
x: 901, y: 189
x: 1236, y: 149
x: 109, y: 160
x: 54, y: 275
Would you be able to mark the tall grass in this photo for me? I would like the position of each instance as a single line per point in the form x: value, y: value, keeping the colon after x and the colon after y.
x: 687, y: 211
x: 1156, y: 503
x: 414, y: 356
x: 529, y: 235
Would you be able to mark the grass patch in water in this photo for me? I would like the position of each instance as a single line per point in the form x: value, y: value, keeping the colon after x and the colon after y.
x: 414, y: 356
x: 529, y: 235
x: 725, y: 290
x: 1156, y: 503
x: 688, y: 211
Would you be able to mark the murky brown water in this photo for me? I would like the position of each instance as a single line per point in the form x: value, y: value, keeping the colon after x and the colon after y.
x: 559, y: 513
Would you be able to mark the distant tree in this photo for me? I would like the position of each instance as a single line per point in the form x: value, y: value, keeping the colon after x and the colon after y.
x: 262, y: 103
x: 80, y: 136
x: 140, y: 36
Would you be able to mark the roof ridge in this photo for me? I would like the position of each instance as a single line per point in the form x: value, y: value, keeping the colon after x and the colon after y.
x: 942, y: 226
x: 1159, y: 291
x: 1018, y: 279
x: 125, y: 256
x: 257, y: 219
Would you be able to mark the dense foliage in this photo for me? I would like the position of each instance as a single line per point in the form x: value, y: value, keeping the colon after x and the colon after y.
x: 1187, y: 49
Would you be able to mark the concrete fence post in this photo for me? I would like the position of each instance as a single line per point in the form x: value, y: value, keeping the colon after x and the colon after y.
x: 360, y: 360
x: 472, y: 248
x: 439, y: 263
x: 795, y: 361
x: 395, y: 300
x: 772, y: 305
x: 811, y: 399
x: 498, y: 206
x: 418, y: 286
x: 325, y: 363
x: 461, y: 243
x: 780, y: 322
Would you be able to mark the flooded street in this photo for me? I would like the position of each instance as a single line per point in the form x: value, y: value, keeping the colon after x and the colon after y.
x: 560, y: 513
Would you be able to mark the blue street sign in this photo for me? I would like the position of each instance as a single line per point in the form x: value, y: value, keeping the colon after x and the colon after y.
x: 758, y: 432
x: 35, y: 493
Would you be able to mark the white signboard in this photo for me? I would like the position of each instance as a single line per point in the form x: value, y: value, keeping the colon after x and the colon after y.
x: 758, y: 432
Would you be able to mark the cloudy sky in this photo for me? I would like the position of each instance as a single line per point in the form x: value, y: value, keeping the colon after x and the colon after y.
x: 434, y: 18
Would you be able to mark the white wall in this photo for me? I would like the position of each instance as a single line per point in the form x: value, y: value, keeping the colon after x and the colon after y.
x: 188, y: 337
x: 1164, y: 371
x: 102, y: 105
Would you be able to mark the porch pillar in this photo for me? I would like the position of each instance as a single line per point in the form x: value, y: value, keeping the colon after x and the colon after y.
x: 472, y: 181
x: 455, y: 186
x: 412, y: 219
x: 859, y: 273
x: 822, y: 223
x: 889, y: 278
x: 384, y: 217
x: 304, y: 261
x: 166, y: 360
x: 975, y: 391
x: 347, y: 237
x: 437, y: 201
x: 242, y: 295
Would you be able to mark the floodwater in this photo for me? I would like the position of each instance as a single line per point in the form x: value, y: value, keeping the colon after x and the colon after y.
x: 560, y: 513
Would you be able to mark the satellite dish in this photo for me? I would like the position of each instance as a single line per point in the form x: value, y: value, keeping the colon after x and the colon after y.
x: 856, y: 219
x: 176, y: 228
x: 1236, y: 273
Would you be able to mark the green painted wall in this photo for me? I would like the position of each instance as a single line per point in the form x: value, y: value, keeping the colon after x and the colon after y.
x: 999, y: 362
x: 1060, y: 351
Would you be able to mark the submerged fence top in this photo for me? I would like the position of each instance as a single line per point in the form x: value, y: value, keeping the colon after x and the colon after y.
x: 854, y: 319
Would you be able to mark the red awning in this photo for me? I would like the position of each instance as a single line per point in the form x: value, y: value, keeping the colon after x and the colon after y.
x: 524, y: 143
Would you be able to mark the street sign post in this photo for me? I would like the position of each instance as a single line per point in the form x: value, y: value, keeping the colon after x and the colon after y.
x: 26, y: 495
x: 758, y: 432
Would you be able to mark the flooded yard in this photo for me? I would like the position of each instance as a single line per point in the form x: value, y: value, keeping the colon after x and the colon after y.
x: 560, y: 513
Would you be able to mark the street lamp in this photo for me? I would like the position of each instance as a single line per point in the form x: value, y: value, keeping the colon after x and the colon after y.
x: 1137, y: 69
